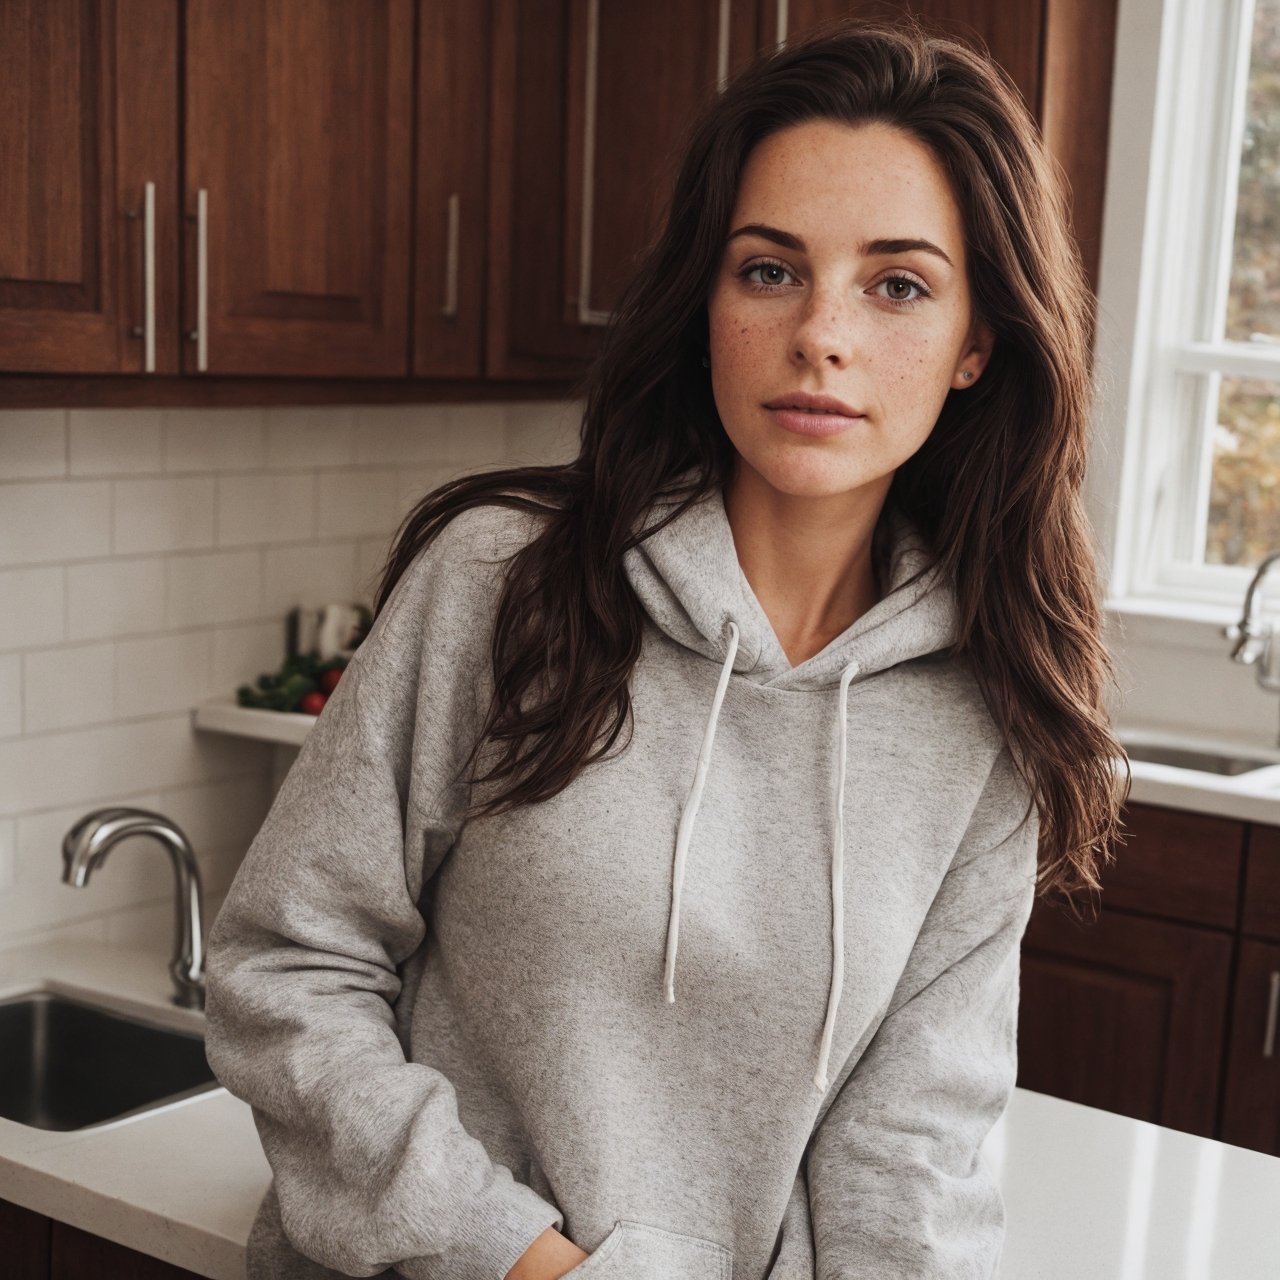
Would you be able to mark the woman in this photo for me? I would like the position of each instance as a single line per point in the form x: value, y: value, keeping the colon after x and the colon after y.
x: 515, y: 994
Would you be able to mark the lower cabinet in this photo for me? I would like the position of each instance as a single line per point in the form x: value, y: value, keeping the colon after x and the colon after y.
x: 1165, y: 1007
x: 38, y: 1248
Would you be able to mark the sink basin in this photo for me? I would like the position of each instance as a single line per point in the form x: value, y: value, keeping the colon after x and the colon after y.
x: 70, y: 1064
x: 1220, y: 762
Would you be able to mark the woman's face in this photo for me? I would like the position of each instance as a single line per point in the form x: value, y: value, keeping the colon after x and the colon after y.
x: 821, y: 292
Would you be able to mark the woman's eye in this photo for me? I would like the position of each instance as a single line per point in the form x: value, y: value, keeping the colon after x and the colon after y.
x: 767, y: 275
x: 899, y: 290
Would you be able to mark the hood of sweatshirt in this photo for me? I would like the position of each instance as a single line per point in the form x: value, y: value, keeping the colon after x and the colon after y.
x: 688, y: 577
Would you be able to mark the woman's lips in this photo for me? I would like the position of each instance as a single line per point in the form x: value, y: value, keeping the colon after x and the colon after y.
x: 808, y: 423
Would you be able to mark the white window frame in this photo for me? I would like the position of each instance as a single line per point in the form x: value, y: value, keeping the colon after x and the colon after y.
x: 1172, y: 178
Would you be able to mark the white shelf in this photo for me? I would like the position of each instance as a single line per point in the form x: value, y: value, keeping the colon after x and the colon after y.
x: 224, y: 715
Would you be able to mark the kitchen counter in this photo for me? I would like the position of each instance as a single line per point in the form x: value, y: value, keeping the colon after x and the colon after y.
x: 1089, y: 1195
x: 1250, y: 797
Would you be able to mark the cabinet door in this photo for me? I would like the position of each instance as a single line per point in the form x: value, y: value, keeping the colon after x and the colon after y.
x: 1127, y: 1014
x: 591, y: 102
x: 452, y: 187
x: 24, y: 1242
x: 298, y: 127
x: 1251, y: 1115
x: 90, y: 118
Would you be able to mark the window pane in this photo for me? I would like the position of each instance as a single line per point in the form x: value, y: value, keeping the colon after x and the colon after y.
x: 1253, y: 302
x: 1244, y: 497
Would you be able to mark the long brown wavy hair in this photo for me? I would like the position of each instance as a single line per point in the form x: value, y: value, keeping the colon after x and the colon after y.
x: 995, y: 489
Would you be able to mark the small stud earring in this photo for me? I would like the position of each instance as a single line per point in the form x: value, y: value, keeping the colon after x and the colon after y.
x: 967, y: 375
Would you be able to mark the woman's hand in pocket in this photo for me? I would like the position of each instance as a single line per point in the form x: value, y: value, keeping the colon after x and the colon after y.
x: 549, y: 1257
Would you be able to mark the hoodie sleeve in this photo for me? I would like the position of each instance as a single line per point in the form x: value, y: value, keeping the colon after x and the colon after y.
x: 897, y: 1187
x: 371, y: 1165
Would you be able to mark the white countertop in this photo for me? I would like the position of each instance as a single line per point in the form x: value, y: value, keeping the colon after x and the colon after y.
x: 1089, y: 1195
x: 1251, y: 797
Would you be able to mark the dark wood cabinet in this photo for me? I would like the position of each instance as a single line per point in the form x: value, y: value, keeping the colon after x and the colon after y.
x: 90, y: 89
x: 1165, y: 1007
x: 591, y: 102
x: 38, y: 1248
x: 395, y: 190
x: 1118, y: 1015
x: 452, y: 188
x: 298, y: 125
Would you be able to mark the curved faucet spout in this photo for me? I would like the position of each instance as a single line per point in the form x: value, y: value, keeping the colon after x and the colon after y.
x: 85, y: 848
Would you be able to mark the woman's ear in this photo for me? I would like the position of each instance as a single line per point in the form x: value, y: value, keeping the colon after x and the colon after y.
x: 975, y: 356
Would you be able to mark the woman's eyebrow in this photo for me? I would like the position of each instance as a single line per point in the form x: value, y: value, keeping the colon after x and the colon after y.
x: 870, y: 249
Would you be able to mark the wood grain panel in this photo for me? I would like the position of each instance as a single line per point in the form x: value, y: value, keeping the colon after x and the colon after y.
x: 1262, y: 884
x: 453, y: 137
x: 1251, y: 1115
x: 1177, y: 864
x: 59, y: 293
x: 299, y: 122
x: 1125, y: 1014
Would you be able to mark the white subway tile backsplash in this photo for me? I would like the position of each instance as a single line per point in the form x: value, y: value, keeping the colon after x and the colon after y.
x: 356, y: 503
x: 397, y: 434
x: 312, y: 436
x: 96, y: 763
x: 115, y: 442
x: 266, y: 508
x: 241, y: 654
x: 475, y: 436
x: 308, y: 576
x: 371, y: 558
x: 543, y: 431
x: 73, y: 685
x: 148, y: 559
x: 8, y: 854
x: 168, y: 514
x: 54, y: 520
x: 223, y: 586
x: 10, y: 694
x: 115, y: 598
x: 31, y: 606
x: 33, y: 443
x: 163, y: 673
x: 215, y: 440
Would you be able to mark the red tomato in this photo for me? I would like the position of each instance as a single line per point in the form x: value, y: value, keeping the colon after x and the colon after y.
x: 329, y: 679
x: 312, y: 703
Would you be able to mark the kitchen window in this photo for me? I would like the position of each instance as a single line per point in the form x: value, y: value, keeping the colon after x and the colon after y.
x: 1184, y: 482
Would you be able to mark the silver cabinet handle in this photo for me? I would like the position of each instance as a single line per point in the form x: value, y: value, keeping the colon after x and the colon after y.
x: 586, y: 314
x: 1273, y: 1011
x: 200, y: 334
x: 147, y: 330
x: 782, y: 17
x: 722, y: 47
x: 149, y: 276
x: 450, y: 308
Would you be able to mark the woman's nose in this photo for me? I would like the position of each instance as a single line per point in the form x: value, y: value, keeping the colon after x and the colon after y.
x: 826, y: 331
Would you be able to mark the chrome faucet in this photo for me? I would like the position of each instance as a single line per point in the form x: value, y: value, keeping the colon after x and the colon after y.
x: 1264, y: 656
x: 84, y: 849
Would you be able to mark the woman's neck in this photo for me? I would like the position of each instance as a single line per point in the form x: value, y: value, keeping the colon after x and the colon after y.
x: 808, y: 559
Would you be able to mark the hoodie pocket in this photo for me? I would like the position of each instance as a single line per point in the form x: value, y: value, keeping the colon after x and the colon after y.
x: 637, y: 1251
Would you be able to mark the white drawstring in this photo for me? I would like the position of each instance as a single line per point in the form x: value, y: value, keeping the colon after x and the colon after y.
x: 837, y: 890
x: 690, y: 811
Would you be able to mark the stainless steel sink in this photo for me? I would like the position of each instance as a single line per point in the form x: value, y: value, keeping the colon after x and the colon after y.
x: 1219, y: 762
x: 66, y: 1063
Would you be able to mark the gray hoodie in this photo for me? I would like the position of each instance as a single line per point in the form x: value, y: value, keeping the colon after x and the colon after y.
x: 741, y: 1001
